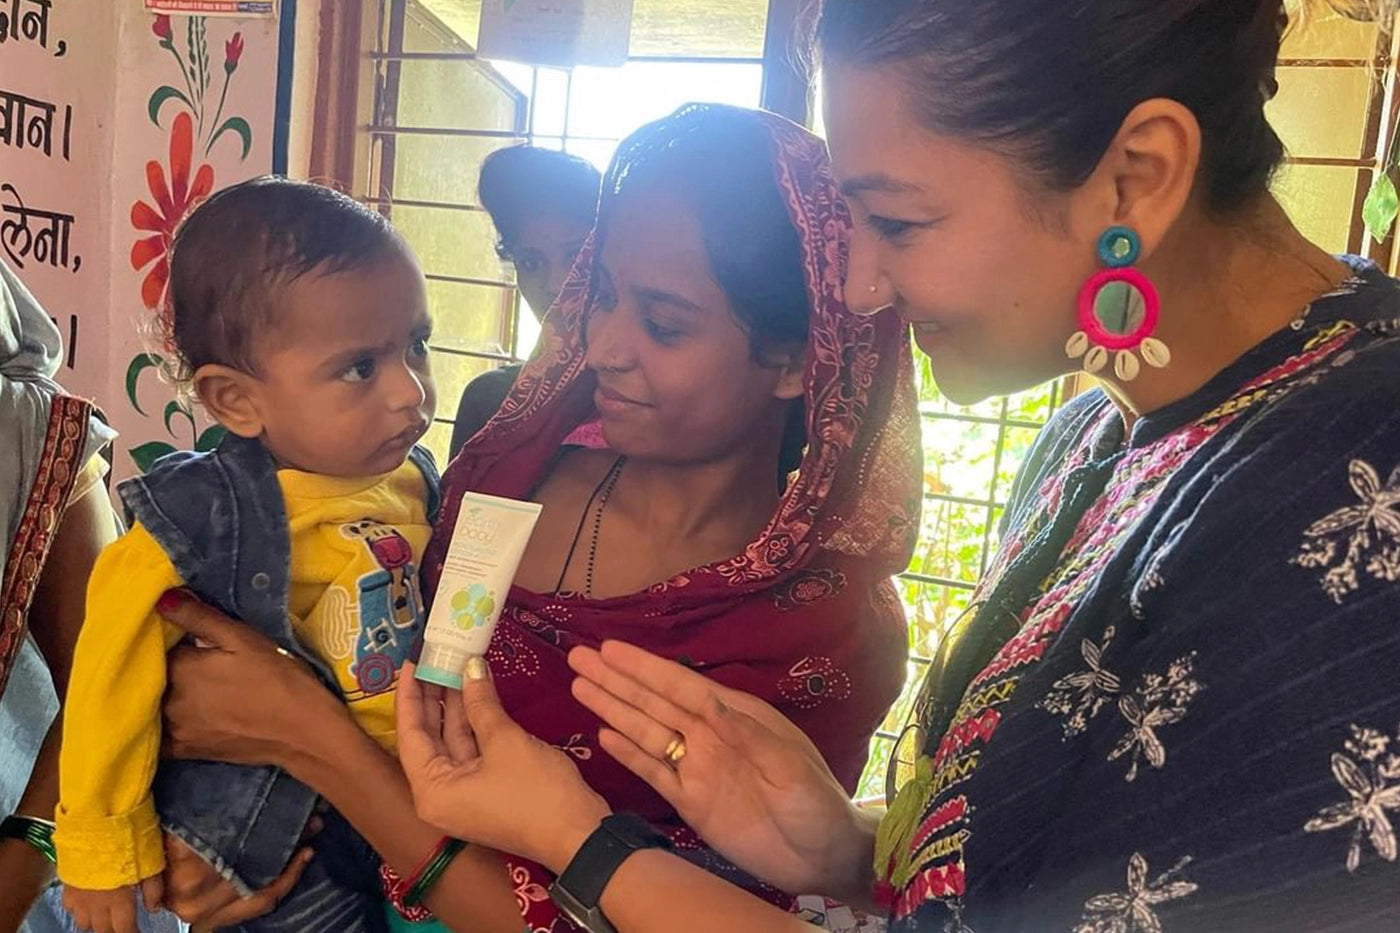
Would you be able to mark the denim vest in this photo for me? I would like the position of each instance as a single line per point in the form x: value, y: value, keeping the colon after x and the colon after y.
x: 221, y: 520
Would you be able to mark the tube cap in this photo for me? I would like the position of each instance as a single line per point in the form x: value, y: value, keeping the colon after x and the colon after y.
x: 441, y: 665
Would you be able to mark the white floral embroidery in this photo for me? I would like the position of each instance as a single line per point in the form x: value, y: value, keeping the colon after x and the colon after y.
x: 1160, y: 700
x: 527, y: 890
x: 1365, y: 536
x: 576, y: 746
x: 1373, y: 783
x: 1132, y: 911
x: 1078, y: 697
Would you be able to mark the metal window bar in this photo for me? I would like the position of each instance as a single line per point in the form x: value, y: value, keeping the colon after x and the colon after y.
x: 499, y: 356
x: 1324, y: 63
x: 436, y: 205
x: 649, y: 59
x: 389, y: 130
x: 986, y: 419
x: 996, y: 475
x: 913, y: 577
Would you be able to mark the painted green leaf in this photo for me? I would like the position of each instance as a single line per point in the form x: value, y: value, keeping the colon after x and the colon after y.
x: 1381, y: 206
x: 173, y: 409
x: 210, y: 438
x: 139, y: 364
x: 144, y: 455
x: 162, y: 94
x: 234, y: 125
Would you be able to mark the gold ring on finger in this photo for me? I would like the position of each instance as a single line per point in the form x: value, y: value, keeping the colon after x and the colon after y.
x: 675, y: 751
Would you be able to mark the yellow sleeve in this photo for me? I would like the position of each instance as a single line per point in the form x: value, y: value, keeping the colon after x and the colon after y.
x: 108, y: 835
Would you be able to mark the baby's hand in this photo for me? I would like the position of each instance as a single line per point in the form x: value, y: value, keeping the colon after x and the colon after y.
x: 111, y: 911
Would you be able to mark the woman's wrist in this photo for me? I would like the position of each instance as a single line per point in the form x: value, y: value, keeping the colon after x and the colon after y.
x: 570, y: 837
x: 26, y: 872
x: 318, y: 756
x: 851, y: 870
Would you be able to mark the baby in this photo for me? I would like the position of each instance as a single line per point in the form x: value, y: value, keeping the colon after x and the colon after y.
x: 299, y: 319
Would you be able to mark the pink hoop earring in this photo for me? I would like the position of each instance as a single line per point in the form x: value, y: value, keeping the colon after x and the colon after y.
x: 1118, y: 312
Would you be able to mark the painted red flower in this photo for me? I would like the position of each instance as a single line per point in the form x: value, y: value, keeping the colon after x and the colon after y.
x: 172, y: 203
x: 161, y: 27
x: 233, y: 51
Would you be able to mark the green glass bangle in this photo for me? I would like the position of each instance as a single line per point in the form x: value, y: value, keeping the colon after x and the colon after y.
x: 32, y: 830
x: 433, y: 872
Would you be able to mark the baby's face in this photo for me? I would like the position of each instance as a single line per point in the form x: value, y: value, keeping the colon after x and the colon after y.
x: 344, y: 387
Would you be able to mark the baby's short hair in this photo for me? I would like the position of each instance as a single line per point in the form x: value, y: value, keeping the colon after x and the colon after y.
x: 240, y: 247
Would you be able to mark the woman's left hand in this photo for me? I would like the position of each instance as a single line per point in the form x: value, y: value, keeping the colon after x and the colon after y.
x: 478, y: 776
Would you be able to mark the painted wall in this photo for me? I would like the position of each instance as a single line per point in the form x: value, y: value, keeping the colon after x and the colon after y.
x: 164, y: 110
x: 55, y: 85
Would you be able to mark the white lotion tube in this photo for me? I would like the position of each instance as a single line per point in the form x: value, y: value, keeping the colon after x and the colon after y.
x: 486, y: 548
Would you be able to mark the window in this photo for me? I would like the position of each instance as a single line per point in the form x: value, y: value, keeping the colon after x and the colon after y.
x: 971, y: 456
x: 1335, y: 81
x: 438, y: 111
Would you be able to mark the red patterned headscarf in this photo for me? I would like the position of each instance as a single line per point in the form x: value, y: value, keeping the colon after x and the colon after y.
x: 806, y: 617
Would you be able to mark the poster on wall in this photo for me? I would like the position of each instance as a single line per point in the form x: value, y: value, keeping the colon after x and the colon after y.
x: 248, y: 9
x: 560, y: 33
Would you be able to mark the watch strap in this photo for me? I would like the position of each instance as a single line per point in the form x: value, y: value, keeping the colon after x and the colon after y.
x: 598, y: 859
x: 580, y: 885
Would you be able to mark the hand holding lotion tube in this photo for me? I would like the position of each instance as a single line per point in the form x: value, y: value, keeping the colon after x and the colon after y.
x: 487, y: 544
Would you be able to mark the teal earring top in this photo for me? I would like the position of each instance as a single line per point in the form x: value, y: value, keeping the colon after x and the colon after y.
x: 1119, y: 246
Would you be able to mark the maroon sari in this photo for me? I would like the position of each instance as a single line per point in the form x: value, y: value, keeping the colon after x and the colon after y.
x: 807, y: 617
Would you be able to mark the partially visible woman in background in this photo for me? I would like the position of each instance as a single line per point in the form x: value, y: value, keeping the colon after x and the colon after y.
x: 542, y: 203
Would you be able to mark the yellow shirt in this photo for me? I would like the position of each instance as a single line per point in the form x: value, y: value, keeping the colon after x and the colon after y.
x: 355, y: 549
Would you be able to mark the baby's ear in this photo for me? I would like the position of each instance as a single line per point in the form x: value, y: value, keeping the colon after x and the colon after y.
x: 231, y: 398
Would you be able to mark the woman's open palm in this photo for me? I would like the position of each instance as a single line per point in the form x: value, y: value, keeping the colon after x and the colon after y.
x: 751, y: 784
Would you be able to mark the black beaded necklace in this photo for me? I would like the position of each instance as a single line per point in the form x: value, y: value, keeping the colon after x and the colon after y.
x: 601, y: 494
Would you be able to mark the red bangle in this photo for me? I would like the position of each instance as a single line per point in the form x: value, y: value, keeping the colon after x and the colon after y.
x: 396, y: 888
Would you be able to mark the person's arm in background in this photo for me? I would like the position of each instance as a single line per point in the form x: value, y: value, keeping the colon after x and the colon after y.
x: 54, y: 619
x: 240, y: 701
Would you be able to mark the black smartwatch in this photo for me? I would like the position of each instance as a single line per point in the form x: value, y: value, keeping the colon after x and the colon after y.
x: 579, y: 887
